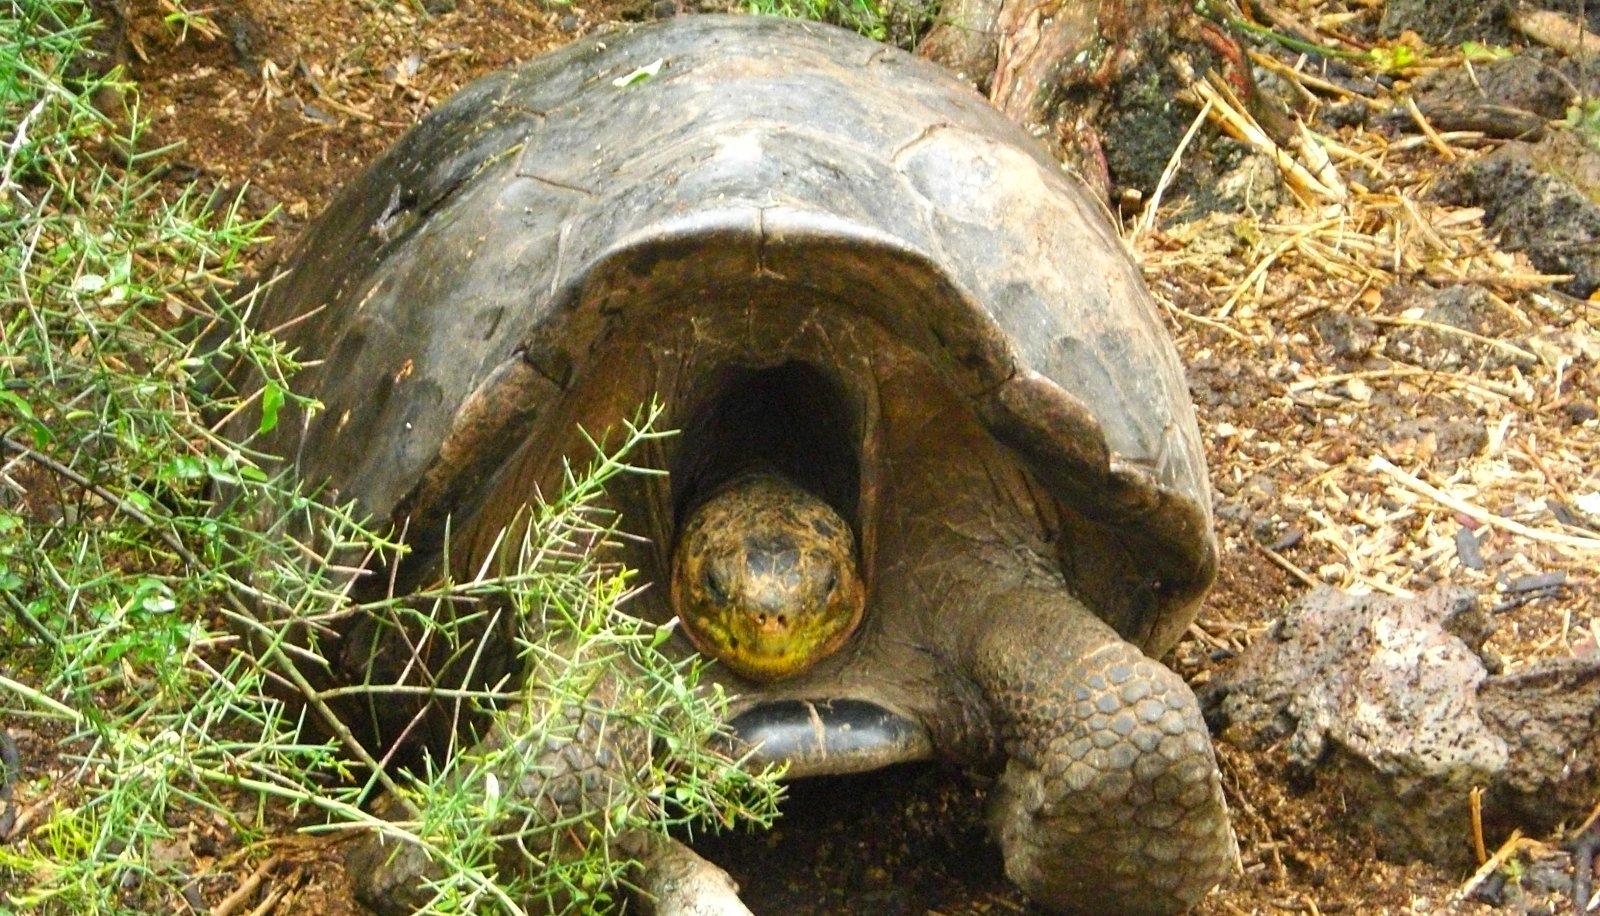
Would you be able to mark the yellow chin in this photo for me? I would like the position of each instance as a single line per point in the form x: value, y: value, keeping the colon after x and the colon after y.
x: 763, y: 653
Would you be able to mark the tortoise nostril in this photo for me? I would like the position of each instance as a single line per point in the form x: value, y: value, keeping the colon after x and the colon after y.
x: 783, y: 621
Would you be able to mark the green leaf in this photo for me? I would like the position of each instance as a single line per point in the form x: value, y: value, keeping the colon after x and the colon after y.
x: 1585, y: 120
x: 662, y: 634
x: 24, y: 410
x: 1478, y: 52
x: 271, y: 402
x: 157, y: 604
x: 639, y: 75
x: 1395, y: 57
x: 17, y: 403
x: 186, y: 467
x: 89, y: 283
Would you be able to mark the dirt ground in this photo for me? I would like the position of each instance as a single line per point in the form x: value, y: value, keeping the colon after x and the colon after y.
x: 1279, y: 309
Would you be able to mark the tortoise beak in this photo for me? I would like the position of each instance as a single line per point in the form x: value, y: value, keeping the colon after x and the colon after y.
x: 829, y: 736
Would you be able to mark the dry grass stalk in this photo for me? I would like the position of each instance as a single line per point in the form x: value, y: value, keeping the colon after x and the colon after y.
x: 1236, y: 121
x: 1428, y: 131
x: 1303, y: 81
x: 1147, y: 220
x: 1479, y: 514
x: 1514, y: 845
x: 1280, y: 273
x: 1479, y: 386
x: 1509, y: 349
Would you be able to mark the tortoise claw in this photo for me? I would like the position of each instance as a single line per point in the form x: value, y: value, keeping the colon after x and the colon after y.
x: 389, y: 876
x: 830, y: 736
x: 673, y: 880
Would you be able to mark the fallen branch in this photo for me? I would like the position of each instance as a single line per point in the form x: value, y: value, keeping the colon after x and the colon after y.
x: 1554, y: 30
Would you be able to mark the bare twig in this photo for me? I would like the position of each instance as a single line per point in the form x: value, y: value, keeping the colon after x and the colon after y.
x: 18, y: 140
x: 1428, y: 131
x: 1288, y: 566
x: 1442, y: 328
x: 1475, y: 805
x: 1147, y: 220
x: 246, y: 889
x: 1513, y: 844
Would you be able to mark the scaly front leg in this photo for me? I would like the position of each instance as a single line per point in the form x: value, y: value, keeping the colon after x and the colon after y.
x: 1110, y: 801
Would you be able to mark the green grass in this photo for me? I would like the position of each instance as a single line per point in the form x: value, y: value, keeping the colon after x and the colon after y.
x: 902, y: 23
x: 124, y: 591
x: 866, y: 17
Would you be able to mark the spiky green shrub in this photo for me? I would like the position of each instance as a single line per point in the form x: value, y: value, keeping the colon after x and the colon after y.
x: 122, y: 600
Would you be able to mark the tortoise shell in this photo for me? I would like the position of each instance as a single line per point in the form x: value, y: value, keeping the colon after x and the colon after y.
x: 757, y: 222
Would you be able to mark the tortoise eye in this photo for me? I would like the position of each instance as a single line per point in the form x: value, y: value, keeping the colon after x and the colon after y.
x: 831, y: 584
x: 714, y: 588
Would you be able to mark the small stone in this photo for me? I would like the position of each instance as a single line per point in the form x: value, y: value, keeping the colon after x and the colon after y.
x: 1579, y: 412
x: 1537, y: 582
x: 1467, y: 548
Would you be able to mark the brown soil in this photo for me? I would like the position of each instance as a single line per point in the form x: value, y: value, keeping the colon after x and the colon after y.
x: 291, y: 97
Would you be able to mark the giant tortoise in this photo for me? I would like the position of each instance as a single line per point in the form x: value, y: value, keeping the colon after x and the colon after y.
x: 938, y: 491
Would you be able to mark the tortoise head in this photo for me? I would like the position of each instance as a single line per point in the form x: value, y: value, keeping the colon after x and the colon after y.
x: 764, y: 578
